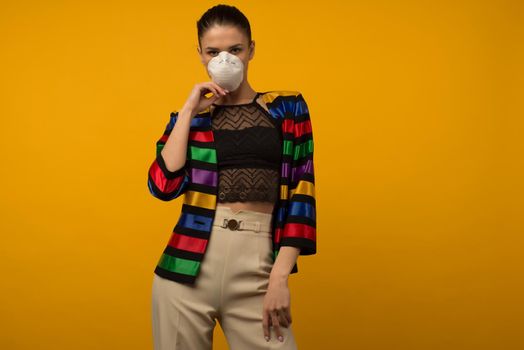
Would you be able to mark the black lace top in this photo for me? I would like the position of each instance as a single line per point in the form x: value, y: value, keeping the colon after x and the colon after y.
x: 249, y: 147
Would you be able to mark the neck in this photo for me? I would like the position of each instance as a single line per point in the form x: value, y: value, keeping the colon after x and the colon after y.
x: 243, y: 94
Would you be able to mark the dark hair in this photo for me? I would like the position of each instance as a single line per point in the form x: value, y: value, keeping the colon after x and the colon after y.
x: 223, y: 14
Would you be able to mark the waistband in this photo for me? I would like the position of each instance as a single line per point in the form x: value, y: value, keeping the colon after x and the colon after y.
x: 242, y: 220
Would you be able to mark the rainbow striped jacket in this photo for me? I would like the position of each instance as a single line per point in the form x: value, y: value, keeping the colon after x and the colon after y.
x: 294, y: 216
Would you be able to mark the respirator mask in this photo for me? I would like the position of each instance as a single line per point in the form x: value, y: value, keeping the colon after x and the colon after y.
x: 226, y: 70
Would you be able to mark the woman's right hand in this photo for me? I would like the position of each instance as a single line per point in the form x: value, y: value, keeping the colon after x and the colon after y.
x: 197, y: 101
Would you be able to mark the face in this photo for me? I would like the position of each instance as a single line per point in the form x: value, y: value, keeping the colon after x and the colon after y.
x: 226, y: 38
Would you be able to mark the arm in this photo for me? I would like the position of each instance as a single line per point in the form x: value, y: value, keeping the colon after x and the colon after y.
x: 300, y: 226
x: 299, y: 233
x: 168, y: 175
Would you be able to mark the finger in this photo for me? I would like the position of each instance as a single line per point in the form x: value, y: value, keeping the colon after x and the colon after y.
x: 265, y: 325
x: 218, y: 87
x: 214, y: 88
x: 276, y: 326
x: 286, y: 314
x: 205, y: 90
x: 224, y: 91
x: 214, y: 91
x: 216, y: 97
x: 282, y: 318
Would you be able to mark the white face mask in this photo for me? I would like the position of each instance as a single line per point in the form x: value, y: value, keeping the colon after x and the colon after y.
x: 226, y: 70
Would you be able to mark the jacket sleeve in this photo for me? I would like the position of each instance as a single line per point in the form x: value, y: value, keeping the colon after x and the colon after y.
x: 300, y: 225
x: 163, y: 183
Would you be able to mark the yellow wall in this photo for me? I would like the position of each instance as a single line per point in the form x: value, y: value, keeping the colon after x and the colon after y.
x: 416, y: 115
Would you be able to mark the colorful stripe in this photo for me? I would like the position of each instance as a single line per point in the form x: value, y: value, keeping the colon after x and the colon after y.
x: 179, y: 265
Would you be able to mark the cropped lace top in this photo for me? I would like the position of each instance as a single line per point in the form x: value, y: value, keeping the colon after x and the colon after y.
x: 249, y: 147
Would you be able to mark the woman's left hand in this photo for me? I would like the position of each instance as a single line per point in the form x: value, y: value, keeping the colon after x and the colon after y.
x: 277, y: 307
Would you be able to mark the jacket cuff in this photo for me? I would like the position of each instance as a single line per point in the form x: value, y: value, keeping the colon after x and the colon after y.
x: 306, y: 246
x: 167, y: 173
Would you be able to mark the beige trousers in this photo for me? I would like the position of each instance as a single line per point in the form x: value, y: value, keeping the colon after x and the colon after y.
x: 230, y: 288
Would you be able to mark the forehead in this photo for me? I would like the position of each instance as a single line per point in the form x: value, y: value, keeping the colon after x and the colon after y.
x: 223, y: 37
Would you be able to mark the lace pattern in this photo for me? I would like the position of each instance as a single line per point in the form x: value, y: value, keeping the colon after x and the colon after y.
x: 249, y: 150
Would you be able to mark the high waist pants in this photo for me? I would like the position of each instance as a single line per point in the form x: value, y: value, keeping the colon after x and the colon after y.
x: 230, y: 288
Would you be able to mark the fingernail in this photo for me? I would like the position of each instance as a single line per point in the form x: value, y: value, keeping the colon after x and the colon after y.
x: 281, y: 338
x: 267, y: 338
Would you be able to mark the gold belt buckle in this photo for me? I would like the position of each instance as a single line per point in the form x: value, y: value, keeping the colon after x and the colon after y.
x: 231, y: 224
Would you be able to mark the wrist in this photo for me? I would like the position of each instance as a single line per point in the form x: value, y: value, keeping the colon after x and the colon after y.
x: 278, y: 276
x: 185, y: 111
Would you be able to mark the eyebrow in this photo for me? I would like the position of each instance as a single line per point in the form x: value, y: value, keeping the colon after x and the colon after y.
x: 216, y: 48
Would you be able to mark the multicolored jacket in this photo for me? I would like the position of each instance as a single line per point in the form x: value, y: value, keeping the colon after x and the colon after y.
x: 294, y: 222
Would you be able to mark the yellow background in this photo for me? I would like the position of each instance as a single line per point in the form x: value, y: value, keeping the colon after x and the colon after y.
x: 416, y: 109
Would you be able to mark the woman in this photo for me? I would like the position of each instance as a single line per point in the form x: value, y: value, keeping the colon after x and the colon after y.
x: 244, y: 161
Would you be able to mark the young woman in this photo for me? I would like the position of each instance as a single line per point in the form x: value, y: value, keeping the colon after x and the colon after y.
x: 244, y: 161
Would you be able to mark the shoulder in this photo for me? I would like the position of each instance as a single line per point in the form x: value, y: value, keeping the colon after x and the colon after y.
x: 282, y: 94
x: 282, y: 102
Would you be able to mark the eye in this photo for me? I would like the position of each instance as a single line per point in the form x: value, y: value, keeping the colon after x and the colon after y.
x: 237, y: 49
x: 212, y: 53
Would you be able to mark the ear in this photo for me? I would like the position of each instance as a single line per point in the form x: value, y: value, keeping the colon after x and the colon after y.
x: 252, y: 50
x: 200, y: 55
